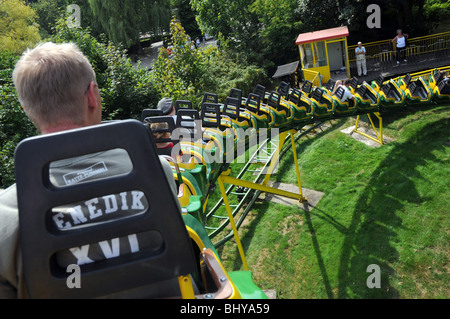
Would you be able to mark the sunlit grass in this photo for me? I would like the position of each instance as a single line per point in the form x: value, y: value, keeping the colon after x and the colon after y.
x: 386, y: 206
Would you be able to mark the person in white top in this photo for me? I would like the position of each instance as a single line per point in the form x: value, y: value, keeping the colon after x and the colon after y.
x: 347, y: 96
x: 360, y: 53
x: 400, y: 40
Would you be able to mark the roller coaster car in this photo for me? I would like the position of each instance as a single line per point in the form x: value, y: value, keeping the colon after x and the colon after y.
x: 150, y: 113
x: 284, y: 113
x: 403, y: 82
x: 162, y: 128
x: 307, y: 88
x: 391, y: 96
x: 418, y: 92
x: 354, y: 85
x: 343, y: 108
x: 323, y: 104
x: 297, y: 102
x: 378, y: 83
x: 155, y: 253
x: 261, y: 91
x: 263, y: 115
x: 304, y: 108
x: 191, y: 180
x: 442, y: 91
x: 435, y: 78
x: 329, y: 86
x: 284, y: 89
x: 218, y: 127
x: 240, y: 118
x: 367, y: 100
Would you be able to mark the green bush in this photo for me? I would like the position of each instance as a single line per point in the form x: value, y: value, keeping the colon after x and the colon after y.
x: 14, y: 124
x: 188, y: 72
x: 125, y: 90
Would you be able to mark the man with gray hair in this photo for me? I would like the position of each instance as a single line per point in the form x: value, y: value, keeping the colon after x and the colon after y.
x: 57, y: 89
x: 360, y: 53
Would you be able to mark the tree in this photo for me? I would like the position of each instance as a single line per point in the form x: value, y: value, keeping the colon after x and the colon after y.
x: 186, y: 16
x: 125, y: 20
x: 179, y: 76
x: 232, y: 21
x: 18, y: 27
x: 188, y: 72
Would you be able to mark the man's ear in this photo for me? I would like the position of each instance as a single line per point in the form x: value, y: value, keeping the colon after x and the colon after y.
x: 92, y: 96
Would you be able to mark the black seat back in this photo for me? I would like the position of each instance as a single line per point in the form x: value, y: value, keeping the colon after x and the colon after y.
x: 260, y: 90
x: 362, y: 91
x: 41, y: 240
x: 437, y: 76
x: 163, y: 124
x: 407, y: 79
x: 149, y: 113
x: 295, y: 96
x: 274, y: 100
x: 232, y: 108
x: 307, y: 87
x: 386, y: 89
x: 237, y: 94
x: 379, y: 81
x: 330, y: 85
x: 317, y: 95
x: 253, y: 103
x: 340, y: 92
x: 187, y: 119
x: 354, y: 83
x: 182, y: 105
x: 210, y: 98
x: 211, y: 116
x: 283, y: 89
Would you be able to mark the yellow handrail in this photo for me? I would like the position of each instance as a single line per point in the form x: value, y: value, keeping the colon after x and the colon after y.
x: 312, y: 76
x: 419, y: 45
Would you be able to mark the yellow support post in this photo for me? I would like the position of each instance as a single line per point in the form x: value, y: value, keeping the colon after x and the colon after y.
x: 379, y: 134
x: 262, y: 188
x: 186, y: 288
x: 297, y: 169
x: 232, y: 223
x: 275, y: 158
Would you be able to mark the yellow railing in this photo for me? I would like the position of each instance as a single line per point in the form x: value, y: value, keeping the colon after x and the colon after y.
x: 312, y: 76
x: 425, y: 75
x: 385, y: 49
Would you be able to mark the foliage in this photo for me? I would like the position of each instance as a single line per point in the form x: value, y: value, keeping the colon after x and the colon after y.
x: 125, y: 20
x: 187, y: 73
x: 125, y: 90
x: 18, y: 27
x: 234, y: 21
x: 48, y: 12
x: 186, y: 16
x: 14, y: 124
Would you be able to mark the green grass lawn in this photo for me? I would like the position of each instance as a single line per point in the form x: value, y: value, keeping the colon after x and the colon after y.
x: 386, y: 206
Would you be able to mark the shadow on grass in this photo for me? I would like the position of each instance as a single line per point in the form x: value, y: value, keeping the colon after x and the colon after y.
x: 374, y: 222
x: 263, y: 207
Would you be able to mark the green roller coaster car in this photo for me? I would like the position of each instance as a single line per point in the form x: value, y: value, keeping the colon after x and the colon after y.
x: 391, y: 96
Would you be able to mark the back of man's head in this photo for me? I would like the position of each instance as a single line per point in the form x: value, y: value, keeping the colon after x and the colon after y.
x: 166, y: 106
x: 51, y: 81
x: 347, y: 82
